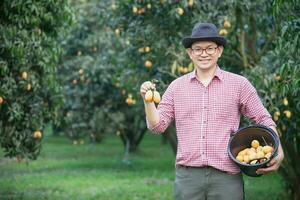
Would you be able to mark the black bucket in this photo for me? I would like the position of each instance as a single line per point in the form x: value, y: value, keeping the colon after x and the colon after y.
x: 242, y: 138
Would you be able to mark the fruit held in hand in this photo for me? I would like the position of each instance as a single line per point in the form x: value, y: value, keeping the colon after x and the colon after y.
x: 152, y: 96
x: 156, y: 97
x: 149, y: 96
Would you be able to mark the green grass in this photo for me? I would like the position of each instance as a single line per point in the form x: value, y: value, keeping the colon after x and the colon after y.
x: 66, y: 171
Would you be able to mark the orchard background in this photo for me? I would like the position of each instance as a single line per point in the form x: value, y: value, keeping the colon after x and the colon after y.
x: 72, y: 69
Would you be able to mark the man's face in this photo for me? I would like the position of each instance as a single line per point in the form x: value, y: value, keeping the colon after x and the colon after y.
x: 205, y: 54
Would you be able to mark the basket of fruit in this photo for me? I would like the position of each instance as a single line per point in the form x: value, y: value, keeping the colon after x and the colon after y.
x: 253, y: 147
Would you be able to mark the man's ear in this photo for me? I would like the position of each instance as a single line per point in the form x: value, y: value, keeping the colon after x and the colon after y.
x: 189, y: 51
x: 221, y: 48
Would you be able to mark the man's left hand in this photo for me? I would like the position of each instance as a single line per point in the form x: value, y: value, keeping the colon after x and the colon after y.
x: 273, y: 165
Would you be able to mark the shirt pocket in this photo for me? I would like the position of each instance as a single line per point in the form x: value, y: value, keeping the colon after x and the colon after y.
x: 224, y: 109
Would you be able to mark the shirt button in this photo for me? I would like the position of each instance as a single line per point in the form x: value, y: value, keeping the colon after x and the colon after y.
x: 203, y: 137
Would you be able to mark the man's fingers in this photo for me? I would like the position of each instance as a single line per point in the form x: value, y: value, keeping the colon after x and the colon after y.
x: 272, y: 162
x: 266, y: 170
x: 147, y: 86
x: 272, y: 167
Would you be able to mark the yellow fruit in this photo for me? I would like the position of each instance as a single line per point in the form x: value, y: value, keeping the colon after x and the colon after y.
x: 75, y: 142
x: 277, y: 113
x: 259, y: 148
x: 242, y: 153
x: 79, y: 53
x: 227, y: 24
x: 129, y: 95
x: 28, y: 87
x: 254, y: 143
x: 81, y: 71
x: 141, y: 50
x: 113, y: 6
x: 134, y: 9
x: 149, y: 6
x: 246, y: 159
x: 1, y: 100
x: 81, y: 141
x: 180, y: 11
x: 156, y: 97
x: 37, y: 134
x: 190, y: 3
x: 287, y: 113
x: 180, y: 69
x: 118, y: 133
x: 252, y: 156
x: 252, y: 149
x: 191, y: 67
x: 149, y: 96
x: 185, y: 70
x: 260, y: 154
x: 223, y: 32
x: 74, y: 81
x: 148, y: 64
x: 69, y: 114
x: 276, y: 117
x: 267, y: 149
x: 246, y: 151
x: 285, y: 101
x: 147, y: 49
x: 268, y: 155
x: 117, y: 31
x: 141, y: 10
x: 277, y: 77
x: 240, y: 158
x: 129, y: 101
x: 24, y: 75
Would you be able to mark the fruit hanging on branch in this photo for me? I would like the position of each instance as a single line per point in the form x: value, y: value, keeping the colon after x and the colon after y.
x: 37, y: 135
x: 24, y: 75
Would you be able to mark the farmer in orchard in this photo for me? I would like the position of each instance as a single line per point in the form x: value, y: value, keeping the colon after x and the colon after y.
x: 206, y: 105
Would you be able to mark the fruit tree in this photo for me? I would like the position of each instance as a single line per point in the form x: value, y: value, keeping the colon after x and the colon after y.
x: 29, y: 92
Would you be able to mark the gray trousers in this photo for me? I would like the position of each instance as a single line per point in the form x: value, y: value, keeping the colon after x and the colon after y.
x: 207, y: 183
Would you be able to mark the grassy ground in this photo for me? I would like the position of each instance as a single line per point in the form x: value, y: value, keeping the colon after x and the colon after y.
x: 65, y: 171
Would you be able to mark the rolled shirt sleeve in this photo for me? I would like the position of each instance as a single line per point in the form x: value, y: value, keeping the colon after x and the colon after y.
x: 166, y: 112
x: 252, y: 107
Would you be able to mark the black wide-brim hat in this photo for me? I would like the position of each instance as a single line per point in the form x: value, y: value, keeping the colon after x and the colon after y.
x: 204, y: 32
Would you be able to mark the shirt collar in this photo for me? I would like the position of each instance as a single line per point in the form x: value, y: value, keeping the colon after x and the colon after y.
x: 218, y: 73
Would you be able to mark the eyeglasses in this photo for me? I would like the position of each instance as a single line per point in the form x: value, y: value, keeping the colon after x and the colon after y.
x: 209, y: 51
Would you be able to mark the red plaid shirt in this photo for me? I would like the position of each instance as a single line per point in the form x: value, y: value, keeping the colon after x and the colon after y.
x: 205, y: 117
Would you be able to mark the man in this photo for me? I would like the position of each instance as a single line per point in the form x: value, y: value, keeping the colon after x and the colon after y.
x: 206, y: 105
